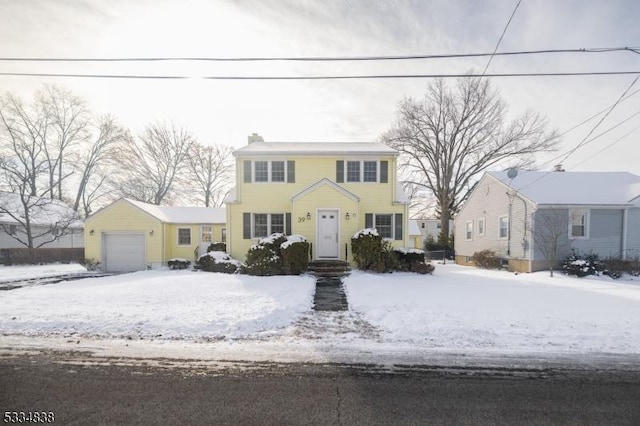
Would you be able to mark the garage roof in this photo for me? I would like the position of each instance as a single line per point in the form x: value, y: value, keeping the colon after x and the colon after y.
x: 170, y: 214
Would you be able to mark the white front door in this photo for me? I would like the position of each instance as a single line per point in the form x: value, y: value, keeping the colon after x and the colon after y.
x: 328, y: 234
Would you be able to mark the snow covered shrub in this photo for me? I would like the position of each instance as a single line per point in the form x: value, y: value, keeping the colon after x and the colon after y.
x: 217, y: 247
x: 91, y: 264
x: 581, y: 265
x: 218, y: 261
x: 265, y: 257
x: 412, y: 260
x: 615, y: 267
x: 486, y: 259
x: 178, y: 263
x: 371, y: 252
x: 295, y: 255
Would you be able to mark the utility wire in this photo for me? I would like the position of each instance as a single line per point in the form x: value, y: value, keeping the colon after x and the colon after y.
x: 326, y: 77
x: 328, y: 58
x: 501, y: 36
x: 608, y: 146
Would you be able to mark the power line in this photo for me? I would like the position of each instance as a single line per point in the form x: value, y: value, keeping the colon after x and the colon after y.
x: 326, y: 77
x: 501, y: 36
x: 327, y: 58
x: 608, y: 146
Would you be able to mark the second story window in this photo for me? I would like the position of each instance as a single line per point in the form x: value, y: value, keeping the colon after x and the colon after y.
x: 277, y: 171
x: 353, y: 171
x: 269, y: 171
x: 262, y: 171
x: 370, y: 173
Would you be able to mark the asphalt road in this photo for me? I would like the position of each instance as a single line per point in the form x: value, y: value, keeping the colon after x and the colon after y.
x: 80, y: 390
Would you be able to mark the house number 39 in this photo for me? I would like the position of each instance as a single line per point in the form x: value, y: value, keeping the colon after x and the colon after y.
x: 301, y: 219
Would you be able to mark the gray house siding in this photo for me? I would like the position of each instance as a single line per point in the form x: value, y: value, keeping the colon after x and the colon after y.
x: 633, y: 233
x: 548, y: 222
x: 605, y: 234
x: 75, y: 240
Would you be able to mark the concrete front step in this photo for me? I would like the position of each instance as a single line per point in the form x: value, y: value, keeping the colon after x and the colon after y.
x: 329, y: 268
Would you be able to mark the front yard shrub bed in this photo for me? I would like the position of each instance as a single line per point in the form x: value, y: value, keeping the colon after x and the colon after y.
x: 218, y: 261
x: 372, y: 253
x: 295, y: 255
x: 486, y: 259
x: 178, y: 263
x: 582, y: 265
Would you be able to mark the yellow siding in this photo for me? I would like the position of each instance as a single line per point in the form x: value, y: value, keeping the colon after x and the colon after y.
x: 123, y: 217
x: 276, y: 198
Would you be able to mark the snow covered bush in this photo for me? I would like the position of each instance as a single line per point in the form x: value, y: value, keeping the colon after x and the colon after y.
x: 412, y: 260
x: 616, y: 267
x: 178, y: 263
x: 372, y: 253
x: 218, y: 261
x: 295, y: 255
x: 486, y: 259
x: 217, y: 247
x: 581, y: 265
x: 265, y: 257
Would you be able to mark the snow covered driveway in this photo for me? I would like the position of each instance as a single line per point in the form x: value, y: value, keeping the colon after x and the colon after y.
x: 458, y: 309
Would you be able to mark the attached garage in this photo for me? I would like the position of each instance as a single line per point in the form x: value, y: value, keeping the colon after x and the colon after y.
x: 124, y: 252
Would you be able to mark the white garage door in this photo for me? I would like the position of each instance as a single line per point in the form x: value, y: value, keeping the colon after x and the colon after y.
x: 124, y: 252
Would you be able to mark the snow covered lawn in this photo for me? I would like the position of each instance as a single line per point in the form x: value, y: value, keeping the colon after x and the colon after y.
x: 19, y: 272
x: 158, y: 304
x: 457, y: 310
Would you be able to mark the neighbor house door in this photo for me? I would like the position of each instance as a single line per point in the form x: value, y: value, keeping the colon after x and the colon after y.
x: 328, y: 234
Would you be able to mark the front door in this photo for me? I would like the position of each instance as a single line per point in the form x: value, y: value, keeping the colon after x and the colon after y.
x: 328, y: 234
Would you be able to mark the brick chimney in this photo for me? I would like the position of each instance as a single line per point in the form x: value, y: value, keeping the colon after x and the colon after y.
x: 254, y: 137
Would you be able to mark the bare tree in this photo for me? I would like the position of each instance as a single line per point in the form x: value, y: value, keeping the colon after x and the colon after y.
x: 69, y: 120
x: 23, y: 134
x: 37, y: 221
x: 548, y: 233
x: 451, y: 136
x: 106, y: 137
x: 154, y: 162
x: 212, y: 171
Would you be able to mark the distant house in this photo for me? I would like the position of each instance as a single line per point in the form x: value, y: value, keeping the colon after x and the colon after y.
x: 431, y: 228
x: 415, y: 236
x: 325, y: 192
x: 53, y: 224
x: 523, y: 217
x: 130, y: 235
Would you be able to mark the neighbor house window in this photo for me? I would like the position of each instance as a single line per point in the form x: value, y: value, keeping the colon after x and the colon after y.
x: 184, y: 236
x: 370, y: 171
x: 468, y: 230
x: 13, y: 230
x: 578, y: 220
x: 261, y: 171
x: 207, y: 232
x: 481, y: 226
x: 503, y: 225
x: 353, y: 171
x: 384, y: 225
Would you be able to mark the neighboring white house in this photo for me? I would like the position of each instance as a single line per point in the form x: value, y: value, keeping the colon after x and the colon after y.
x: 520, y: 218
x: 431, y: 228
x: 53, y: 223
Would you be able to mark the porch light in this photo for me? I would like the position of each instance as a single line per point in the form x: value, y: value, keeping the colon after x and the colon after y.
x: 92, y: 232
x: 308, y: 216
x: 151, y: 233
x: 346, y: 216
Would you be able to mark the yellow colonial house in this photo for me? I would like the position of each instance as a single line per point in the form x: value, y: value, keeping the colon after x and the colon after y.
x: 130, y: 235
x: 325, y: 192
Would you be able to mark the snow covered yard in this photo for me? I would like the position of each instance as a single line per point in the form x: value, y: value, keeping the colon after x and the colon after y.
x: 18, y: 272
x: 457, y: 310
x: 460, y: 308
x: 158, y: 304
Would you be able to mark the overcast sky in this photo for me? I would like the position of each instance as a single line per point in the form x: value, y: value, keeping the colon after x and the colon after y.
x: 225, y: 112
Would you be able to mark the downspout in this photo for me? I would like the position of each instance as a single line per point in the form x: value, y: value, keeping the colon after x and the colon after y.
x: 624, y: 233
